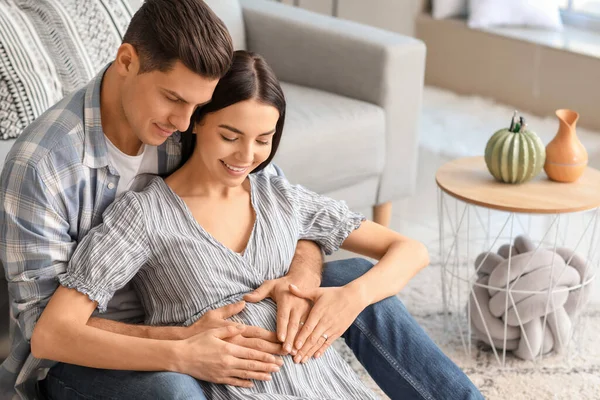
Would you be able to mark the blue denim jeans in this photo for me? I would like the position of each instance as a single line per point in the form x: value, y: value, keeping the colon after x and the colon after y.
x: 385, y: 338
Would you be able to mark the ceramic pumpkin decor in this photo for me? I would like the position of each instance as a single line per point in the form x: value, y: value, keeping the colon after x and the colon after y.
x: 515, y: 154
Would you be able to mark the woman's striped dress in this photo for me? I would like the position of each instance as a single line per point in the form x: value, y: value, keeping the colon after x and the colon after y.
x: 180, y: 271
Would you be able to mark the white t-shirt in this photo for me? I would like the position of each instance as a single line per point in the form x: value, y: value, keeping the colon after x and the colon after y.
x: 129, y: 167
x: 125, y: 304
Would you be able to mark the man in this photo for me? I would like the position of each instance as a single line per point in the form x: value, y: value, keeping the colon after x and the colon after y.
x: 73, y: 161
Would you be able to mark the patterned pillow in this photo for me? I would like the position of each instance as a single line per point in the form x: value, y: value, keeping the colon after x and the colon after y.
x: 49, y: 48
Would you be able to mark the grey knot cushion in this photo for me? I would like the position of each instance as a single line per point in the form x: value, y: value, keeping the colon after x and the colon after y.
x: 526, y: 297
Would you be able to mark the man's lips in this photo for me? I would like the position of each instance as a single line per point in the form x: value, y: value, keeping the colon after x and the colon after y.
x: 165, y: 132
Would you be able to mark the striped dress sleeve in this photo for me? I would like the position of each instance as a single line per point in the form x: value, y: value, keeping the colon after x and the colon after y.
x: 111, y: 254
x: 321, y: 219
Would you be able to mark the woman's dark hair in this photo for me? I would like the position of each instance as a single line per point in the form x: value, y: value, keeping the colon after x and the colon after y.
x: 249, y: 77
x: 165, y: 31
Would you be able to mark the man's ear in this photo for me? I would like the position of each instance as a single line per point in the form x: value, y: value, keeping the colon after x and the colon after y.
x: 127, y: 60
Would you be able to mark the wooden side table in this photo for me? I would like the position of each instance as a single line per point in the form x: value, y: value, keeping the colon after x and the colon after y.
x: 496, y: 284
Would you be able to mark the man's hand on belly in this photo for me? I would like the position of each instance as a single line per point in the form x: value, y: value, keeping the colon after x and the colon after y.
x: 253, y: 337
x: 209, y: 357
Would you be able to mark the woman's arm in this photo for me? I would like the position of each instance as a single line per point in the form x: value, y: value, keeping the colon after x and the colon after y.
x: 335, y: 309
x: 141, y: 331
x: 62, y: 334
x: 400, y: 258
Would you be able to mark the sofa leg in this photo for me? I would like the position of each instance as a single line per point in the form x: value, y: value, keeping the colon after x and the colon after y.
x: 382, y: 213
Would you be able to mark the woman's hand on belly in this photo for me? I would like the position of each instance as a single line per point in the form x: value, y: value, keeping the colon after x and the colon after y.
x: 292, y: 311
x: 334, y: 310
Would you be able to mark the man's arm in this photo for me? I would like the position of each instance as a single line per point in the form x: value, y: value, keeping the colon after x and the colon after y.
x: 34, y: 241
x: 307, y: 265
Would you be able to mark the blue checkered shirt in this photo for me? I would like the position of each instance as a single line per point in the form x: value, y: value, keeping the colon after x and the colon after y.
x: 55, y: 185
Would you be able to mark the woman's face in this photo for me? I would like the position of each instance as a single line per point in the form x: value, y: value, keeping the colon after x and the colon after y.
x: 235, y: 140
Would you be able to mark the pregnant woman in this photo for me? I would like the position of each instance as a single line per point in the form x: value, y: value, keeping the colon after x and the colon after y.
x: 220, y: 226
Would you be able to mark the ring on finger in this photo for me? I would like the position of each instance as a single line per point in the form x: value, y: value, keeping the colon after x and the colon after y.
x: 301, y: 323
x: 325, y: 336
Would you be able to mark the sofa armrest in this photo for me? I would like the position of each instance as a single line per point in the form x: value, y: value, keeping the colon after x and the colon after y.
x: 353, y: 60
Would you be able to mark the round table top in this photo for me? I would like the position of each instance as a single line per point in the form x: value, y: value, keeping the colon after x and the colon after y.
x: 469, y: 180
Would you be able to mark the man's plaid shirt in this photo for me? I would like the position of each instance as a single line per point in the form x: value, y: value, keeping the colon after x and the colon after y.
x: 54, y: 187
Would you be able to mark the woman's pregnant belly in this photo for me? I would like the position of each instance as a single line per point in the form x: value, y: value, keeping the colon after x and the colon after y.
x: 262, y: 314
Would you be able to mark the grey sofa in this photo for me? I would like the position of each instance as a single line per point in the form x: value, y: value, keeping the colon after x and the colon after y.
x: 354, y: 95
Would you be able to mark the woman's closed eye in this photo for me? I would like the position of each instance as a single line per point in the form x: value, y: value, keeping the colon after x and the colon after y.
x: 229, y: 139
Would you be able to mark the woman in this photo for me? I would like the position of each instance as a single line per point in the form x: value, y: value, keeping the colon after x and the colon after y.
x: 220, y: 226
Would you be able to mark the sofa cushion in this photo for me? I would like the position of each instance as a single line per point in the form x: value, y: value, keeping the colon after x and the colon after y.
x: 47, y: 50
x: 330, y: 142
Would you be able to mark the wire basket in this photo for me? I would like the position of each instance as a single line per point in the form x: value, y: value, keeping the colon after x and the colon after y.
x: 517, y: 282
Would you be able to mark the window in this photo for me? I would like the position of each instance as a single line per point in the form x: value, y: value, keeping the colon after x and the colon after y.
x: 581, y: 13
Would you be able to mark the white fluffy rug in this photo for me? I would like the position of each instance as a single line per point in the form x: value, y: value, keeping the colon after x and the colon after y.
x: 454, y: 126
x: 554, y: 377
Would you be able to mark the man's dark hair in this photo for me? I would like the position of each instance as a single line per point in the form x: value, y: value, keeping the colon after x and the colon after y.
x: 164, y: 31
x: 250, y: 77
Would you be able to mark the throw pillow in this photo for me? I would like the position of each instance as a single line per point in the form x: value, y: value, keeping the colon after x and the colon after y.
x: 29, y: 82
x: 49, y: 48
x: 527, y: 13
x: 442, y: 9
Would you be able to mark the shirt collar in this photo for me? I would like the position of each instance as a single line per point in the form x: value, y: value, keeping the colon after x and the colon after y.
x: 95, y: 153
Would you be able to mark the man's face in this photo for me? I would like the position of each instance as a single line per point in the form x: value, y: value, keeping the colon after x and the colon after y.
x: 156, y: 103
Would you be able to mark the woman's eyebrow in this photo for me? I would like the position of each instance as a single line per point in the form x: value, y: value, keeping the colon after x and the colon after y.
x: 235, y: 130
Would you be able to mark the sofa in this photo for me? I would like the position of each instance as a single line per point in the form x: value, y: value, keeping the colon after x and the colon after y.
x: 354, y: 96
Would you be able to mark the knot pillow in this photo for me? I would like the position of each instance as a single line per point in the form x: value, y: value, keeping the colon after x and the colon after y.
x: 549, y: 277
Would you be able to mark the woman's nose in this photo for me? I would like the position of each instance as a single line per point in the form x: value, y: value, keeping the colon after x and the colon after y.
x: 246, y: 154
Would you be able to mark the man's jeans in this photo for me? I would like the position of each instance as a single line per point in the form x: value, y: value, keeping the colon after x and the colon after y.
x: 385, y: 338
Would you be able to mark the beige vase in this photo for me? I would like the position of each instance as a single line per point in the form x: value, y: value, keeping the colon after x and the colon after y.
x: 566, y: 158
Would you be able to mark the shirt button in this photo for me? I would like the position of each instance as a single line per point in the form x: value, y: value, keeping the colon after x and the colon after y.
x: 111, y: 186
